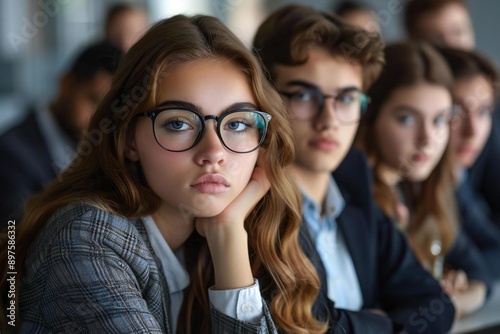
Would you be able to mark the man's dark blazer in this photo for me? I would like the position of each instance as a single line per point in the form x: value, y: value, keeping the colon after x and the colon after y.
x: 26, y: 167
x: 485, y: 173
x: 389, y: 274
x: 479, y: 228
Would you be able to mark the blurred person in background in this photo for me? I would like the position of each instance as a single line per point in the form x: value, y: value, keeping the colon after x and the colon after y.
x: 125, y: 24
x: 405, y: 134
x: 447, y: 23
x: 440, y: 22
x: 43, y: 144
x: 358, y: 14
x: 474, y: 92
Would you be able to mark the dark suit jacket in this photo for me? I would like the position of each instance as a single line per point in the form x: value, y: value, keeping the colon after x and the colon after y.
x: 479, y: 228
x: 389, y: 274
x: 484, y: 176
x: 26, y: 167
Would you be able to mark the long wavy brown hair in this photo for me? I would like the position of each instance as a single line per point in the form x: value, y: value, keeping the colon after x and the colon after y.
x: 102, y: 175
x: 407, y: 65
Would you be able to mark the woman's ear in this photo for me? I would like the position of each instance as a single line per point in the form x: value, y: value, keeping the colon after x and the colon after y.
x: 130, y: 146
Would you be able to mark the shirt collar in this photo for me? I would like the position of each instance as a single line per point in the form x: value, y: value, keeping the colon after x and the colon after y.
x: 60, y: 146
x: 334, y: 202
x: 462, y: 176
x: 175, y: 273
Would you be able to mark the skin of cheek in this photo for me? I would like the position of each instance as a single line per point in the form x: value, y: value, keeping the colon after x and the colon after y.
x: 393, y: 143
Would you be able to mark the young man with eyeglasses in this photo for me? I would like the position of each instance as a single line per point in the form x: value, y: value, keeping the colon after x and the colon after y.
x: 371, y: 280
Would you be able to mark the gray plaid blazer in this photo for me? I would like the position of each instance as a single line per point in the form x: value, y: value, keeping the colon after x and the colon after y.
x: 93, y: 272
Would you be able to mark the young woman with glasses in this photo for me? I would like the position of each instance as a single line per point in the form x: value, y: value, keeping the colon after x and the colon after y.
x: 177, y: 215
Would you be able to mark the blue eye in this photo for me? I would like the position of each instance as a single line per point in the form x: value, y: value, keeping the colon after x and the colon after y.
x: 303, y: 96
x: 440, y: 120
x: 177, y: 125
x: 237, y: 126
x: 347, y: 98
x: 406, y: 119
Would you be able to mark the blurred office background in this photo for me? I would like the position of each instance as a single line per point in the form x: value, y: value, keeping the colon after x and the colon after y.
x: 38, y: 38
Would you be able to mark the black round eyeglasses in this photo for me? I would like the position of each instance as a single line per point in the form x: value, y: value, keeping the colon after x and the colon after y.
x: 180, y: 129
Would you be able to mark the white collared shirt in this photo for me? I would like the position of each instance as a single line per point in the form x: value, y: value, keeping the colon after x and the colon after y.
x: 243, y: 304
x: 61, y: 147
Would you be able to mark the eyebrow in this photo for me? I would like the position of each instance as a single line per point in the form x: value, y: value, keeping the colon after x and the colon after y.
x: 463, y: 103
x: 406, y: 108
x: 177, y: 104
x: 191, y: 106
x: 313, y: 86
x: 242, y: 105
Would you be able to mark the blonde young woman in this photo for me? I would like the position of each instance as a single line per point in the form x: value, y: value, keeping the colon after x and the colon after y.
x: 175, y: 206
x: 405, y: 134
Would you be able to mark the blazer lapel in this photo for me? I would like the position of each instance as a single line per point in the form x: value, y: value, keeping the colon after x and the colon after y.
x: 309, y: 249
x: 352, y: 224
x: 163, y: 281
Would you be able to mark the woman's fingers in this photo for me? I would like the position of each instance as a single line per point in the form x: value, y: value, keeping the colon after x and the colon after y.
x: 455, y: 281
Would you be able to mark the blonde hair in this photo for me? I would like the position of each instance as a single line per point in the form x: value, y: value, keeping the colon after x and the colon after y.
x: 102, y: 175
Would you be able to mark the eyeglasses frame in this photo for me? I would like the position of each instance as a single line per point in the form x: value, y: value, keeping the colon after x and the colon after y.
x: 324, y: 97
x: 152, y: 114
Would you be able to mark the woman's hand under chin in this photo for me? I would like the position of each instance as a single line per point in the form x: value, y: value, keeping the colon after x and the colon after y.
x: 227, y: 238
